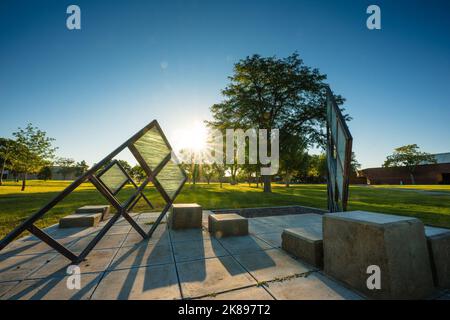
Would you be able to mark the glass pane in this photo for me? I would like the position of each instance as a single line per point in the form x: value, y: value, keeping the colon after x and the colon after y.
x: 341, y: 146
x: 114, y: 178
x: 152, y: 148
x: 340, y: 180
x: 333, y: 125
x: 170, y: 178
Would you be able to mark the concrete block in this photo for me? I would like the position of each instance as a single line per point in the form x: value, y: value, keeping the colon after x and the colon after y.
x: 227, y: 224
x: 103, y: 209
x: 439, y: 247
x: 304, y: 243
x: 80, y: 220
x: 185, y: 216
x: 353, y: 241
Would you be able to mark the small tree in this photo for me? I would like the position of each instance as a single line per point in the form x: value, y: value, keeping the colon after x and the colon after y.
x: 6, y: 152
x: 293, y: 156
x: 45, y: 173
x: 219, y: 169
x: 409, y: 156
x: 67, y: 166
x: 81, y: 168
x: 208, y: 172
x: 138, y: 173
x: 32, y: 151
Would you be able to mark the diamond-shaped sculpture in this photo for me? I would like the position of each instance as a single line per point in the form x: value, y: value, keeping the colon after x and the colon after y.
x: 152, y: 151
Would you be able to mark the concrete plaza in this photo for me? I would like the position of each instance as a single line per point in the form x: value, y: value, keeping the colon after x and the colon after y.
x: 181, y: 264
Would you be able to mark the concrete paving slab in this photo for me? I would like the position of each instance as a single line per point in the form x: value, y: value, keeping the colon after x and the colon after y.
x: 6, y: 286
x: 252, y: 293
x: 142, y: 255
x: 257, y: 227
x: 203, y: 277
x: 96, y: 261
x: 271, y: 264
x: 273, y: 239
x: 313, y: 287
x: 189, y: 235
x: 119, y: 229
x: 148, y: 283
x: 78, y: 233
x: 244, y: 244
x: 19, y: 267
x: 160, y: 237
x: 194, y: 250
x: 54, y: 289
x: 107, y: 242
x: 32, y: 247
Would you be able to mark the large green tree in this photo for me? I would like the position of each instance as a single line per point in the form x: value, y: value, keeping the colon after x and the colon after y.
x: 409, y: 156
x: 33, y: 149
x: 274, y: 93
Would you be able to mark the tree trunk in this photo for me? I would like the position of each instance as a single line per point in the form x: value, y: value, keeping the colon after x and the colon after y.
x: 24, y: 181
x: 267, y: 184
x: 2, y: 172
x: 287, y: 179
x: 413, y: 181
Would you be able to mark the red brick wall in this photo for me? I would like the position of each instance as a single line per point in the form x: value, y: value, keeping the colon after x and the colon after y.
x: 426, y: 174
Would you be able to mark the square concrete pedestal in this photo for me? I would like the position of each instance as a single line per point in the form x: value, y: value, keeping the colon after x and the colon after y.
x: 80, y: 220
x: 439, y: 247
x: 304, y: 243
x: 185, y: 216
x: 227, y: 224
x: 102, y: 209
x: 353, y: 241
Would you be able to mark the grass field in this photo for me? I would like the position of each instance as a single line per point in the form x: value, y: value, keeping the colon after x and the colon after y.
x: 432, y: 208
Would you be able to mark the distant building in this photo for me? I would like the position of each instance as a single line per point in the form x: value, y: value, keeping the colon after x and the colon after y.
x: 56, y: 174
x: 438, y: 173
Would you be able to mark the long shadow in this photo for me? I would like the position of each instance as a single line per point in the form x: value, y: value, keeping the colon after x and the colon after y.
x: 49, y: 284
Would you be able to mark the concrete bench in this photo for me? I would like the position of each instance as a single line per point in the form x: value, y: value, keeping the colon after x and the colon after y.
x: 353, y: 241
x: 438, y: 240
x: 227, y: 224
x: 305, y: 243
x: 185, y: 216
x: 80, y: 220
x: 102, y: 209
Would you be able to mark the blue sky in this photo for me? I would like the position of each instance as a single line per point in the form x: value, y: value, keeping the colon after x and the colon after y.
x: 135, y: 61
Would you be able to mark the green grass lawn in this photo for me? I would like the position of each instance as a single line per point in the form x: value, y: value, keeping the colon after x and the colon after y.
x: 433, y: 209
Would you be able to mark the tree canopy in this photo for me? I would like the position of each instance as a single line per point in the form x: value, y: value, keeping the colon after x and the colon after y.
x: 275, y: 93
x: 409, y: 156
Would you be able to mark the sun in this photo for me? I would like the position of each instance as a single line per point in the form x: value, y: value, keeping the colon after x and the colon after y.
x: 192, y: 138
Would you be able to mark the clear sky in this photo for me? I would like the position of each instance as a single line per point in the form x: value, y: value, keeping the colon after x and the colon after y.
x: 135, y: 61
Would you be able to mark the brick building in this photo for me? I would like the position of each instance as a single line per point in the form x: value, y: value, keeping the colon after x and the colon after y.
x: 438, y: 173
